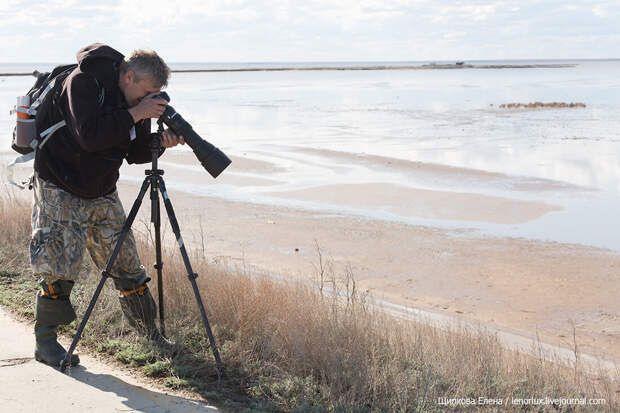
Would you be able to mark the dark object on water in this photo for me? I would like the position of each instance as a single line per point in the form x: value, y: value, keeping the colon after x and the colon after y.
x: 535, y: 105
x: 460, y: 63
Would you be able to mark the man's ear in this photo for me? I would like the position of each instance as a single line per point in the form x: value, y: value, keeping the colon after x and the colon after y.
x: 127, y: 77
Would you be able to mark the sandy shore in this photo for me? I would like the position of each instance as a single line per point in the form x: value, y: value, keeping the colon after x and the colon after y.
x: 527, y: 287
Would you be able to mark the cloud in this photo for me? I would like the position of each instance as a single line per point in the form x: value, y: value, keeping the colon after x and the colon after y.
x: 468, y: 12
x: 259, y: 30
x: 599, y: 11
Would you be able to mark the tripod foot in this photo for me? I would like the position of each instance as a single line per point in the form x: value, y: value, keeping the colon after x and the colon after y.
x: 63, y: 365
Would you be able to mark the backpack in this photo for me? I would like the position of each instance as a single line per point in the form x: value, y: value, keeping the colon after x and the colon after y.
x: 30, y: 133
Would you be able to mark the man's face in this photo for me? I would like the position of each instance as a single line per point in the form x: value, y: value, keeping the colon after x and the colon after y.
x: 133, y: 90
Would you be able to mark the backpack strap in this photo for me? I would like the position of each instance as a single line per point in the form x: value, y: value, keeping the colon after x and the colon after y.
x: 46, y: 134
x: 32, y: 111
x: 9, y: 168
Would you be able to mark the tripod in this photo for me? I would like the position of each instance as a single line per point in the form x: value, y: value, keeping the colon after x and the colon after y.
x: 154, y: 179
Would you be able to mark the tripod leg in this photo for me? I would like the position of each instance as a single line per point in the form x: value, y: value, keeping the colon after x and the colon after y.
x: 156, y: 220
x: 191, y: 275
x: 106, y: 273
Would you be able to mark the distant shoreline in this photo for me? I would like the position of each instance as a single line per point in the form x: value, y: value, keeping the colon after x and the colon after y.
x: 379, y: 67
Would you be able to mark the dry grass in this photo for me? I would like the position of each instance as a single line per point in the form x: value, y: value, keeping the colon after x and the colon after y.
x: 15, y: 229
x: 293, y: 347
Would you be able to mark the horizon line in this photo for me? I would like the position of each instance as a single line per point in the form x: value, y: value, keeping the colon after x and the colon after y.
x: 355, y: 61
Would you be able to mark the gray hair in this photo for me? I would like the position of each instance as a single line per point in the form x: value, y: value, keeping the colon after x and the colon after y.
x: 147, y: 64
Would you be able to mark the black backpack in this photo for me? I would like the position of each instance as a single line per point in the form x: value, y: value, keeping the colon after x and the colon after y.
x: 42, y: 96
x: 34, y: 132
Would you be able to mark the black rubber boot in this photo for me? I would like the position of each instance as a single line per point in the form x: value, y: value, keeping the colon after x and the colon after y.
x: 140, y: 310
x: 51, y: 311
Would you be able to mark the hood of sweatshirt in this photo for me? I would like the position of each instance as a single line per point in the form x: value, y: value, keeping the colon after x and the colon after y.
x: 101, y: 61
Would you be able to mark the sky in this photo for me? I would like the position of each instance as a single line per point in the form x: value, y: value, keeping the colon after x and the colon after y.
x: 313, y: 30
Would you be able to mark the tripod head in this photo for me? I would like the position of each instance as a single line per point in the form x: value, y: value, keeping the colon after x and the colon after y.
x: 156, y: 136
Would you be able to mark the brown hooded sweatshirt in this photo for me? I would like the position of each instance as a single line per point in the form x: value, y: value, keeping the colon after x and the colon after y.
x: 85, y: 156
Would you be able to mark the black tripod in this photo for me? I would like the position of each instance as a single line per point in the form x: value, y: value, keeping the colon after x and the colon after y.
x: 155, y: 180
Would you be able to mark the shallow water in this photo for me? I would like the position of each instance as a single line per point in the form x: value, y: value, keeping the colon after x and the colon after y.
x: 446, y: 117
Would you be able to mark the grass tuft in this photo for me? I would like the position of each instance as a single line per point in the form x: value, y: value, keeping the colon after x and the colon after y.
x: 177, y: 383
x: 159, y: 368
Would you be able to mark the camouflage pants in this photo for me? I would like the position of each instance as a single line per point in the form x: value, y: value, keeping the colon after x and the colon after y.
x: 64, y: 226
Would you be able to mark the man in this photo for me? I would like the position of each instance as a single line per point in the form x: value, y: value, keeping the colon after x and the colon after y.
x: 107, y: 104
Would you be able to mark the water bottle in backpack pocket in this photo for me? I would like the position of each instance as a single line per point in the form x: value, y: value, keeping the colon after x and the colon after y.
x: 25, y: 129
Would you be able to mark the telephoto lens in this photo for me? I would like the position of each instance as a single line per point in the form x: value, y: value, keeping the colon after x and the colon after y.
x: 212, y: 159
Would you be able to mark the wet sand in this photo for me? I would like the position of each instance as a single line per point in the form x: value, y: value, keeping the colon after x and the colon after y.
x: 528, y: 287
x: 445, y: 175
x: 428, y: 204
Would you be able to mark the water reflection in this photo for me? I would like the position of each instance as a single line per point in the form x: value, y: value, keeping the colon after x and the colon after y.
x: 446, y: 117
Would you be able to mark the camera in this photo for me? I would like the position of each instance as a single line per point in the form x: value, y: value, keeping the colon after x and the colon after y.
x: 211, y: 158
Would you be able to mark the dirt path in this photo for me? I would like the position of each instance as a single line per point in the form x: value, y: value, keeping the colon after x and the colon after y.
x: 30, y: 386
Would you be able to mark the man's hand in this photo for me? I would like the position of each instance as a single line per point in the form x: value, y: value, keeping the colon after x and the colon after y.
x: 169, y: 139
x: 148, y: 108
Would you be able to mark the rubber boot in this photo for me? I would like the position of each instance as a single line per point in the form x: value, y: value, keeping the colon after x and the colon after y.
x: 51, y: 311
x: 140, y: 310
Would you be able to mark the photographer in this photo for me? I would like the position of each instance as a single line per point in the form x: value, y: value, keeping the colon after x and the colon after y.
x: 106, y: 102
